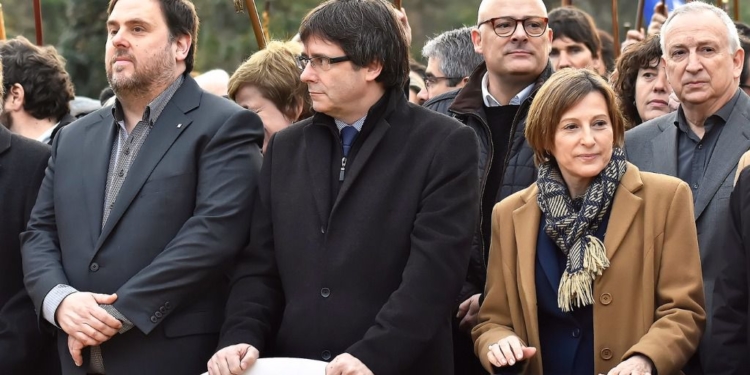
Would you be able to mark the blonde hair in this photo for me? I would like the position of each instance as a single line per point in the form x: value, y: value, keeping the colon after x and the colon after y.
x: 274, y: 72
x: 562, y: 91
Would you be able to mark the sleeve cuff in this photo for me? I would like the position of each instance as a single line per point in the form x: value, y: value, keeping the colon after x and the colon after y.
x: 52, y: 301
x: 127, y: 325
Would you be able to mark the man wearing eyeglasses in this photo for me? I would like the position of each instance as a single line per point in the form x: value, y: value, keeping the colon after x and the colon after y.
x: 364, y: 218
x: 515, y: 41
x: 450, y: 60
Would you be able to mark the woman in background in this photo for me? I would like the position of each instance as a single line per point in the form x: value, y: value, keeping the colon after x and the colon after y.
x: 268, y: 83
x: 641, y: 83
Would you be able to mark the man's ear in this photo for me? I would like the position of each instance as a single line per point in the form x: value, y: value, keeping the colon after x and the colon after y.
x: 373, y: 70
x: 14, y: 98
x: 182, y: 44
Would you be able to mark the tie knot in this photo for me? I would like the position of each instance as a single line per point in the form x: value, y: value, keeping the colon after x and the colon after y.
x: 348, y: 134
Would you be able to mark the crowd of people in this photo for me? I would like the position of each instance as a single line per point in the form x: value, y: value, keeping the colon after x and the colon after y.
x: 527, y: 202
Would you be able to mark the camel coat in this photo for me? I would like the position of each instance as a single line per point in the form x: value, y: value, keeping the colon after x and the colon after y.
x: 649, y: 301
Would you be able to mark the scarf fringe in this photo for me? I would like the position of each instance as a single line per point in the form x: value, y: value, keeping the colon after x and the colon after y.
x: 576, y: 289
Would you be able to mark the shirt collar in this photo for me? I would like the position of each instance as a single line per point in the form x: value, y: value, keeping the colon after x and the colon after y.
x: 357, y: 124
x: 47, y: 135
x: 153, y: 109
x: 490, y: 101
x: 723, y: 113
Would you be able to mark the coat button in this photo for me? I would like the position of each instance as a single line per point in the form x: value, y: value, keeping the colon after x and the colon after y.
x: 153, y: 319
x: 158, y: 314
x: 167, y: 305
x: 94, y: 267
x: 605, y: 299
x: 326, y: 355
x: 322, y: 229
x: 163, y: 310
x: 606, y: 354
x: 325, y: 292
x: 576, y: 333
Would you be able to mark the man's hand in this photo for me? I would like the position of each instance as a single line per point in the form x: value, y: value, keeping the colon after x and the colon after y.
x: 401, y: 15
x: 346, y: 364
x: 232, y: 360
x: 468, y: 313
x: 632, y: 37
x: 80, y: 316
x: 658, y: 19
x: 75, y: 348
x: 635, y: 365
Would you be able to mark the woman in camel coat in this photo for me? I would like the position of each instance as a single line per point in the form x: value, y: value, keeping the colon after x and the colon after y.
x: 595, y: 268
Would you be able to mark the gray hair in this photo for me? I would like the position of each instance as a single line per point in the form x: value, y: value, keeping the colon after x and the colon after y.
x: 456, y: 52
x: 700, y: 7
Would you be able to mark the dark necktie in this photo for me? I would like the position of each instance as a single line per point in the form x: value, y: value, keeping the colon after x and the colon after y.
x: 348, y: 135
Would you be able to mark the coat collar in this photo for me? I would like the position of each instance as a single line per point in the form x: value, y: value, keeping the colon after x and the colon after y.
x: 470, y: 99
x: 320, y: 136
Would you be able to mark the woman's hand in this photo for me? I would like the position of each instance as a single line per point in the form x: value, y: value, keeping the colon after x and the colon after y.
x: 635, y: 365
x: 508, y: 351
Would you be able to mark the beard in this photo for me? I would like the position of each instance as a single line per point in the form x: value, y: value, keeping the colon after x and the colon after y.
x: 157, y: 71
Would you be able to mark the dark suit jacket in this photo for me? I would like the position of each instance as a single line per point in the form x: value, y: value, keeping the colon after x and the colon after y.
x: 652, y: 146
x: 23, y: 348
x: 373, y: 271
x: 180, y: 218
x: 730, y: 354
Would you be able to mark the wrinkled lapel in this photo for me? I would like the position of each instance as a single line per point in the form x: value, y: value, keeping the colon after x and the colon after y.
x: 624, y: 209
x: 664, y: 147
x: 97, y: 150
x: 363, y: 156
x: 733, y: 141
x: 526, y: 225
x: 317, y: 143
x: 158, y: 142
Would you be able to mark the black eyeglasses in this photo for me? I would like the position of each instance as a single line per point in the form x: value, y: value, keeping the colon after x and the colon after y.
x: 322, y: 62
x: 432, y: 80
x: 506, y: 26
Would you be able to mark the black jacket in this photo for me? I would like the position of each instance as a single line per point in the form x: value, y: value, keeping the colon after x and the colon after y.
x: 730, y: 331
x: 520, y: 171
x: 23, y: 348
x: 374, y: 270
x: 168, y: 244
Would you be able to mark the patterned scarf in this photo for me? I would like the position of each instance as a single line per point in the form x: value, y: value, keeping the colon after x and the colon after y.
x: 572, y: 223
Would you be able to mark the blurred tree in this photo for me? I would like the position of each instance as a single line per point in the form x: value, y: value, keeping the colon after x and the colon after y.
x: 77, y: 28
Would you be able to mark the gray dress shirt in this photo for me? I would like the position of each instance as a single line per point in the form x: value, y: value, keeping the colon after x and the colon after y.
x: 693, y: 153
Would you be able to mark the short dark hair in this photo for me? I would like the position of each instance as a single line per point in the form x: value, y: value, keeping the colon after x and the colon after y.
x: 743, y: 29
x: 181, y: 19
x: 367, y: 30
x: 575, y: 24
x: 641, y: 55
x: 41, y: 72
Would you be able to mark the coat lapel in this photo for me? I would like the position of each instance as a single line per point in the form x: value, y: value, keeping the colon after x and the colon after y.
x: 624, y: 209
x: 100, y: 137
x: 526, y: 225
x: 168, y: 127
x: 664, y: 147
x: 733, y: 141
x: 317, y: 143
x: 363, y: 156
